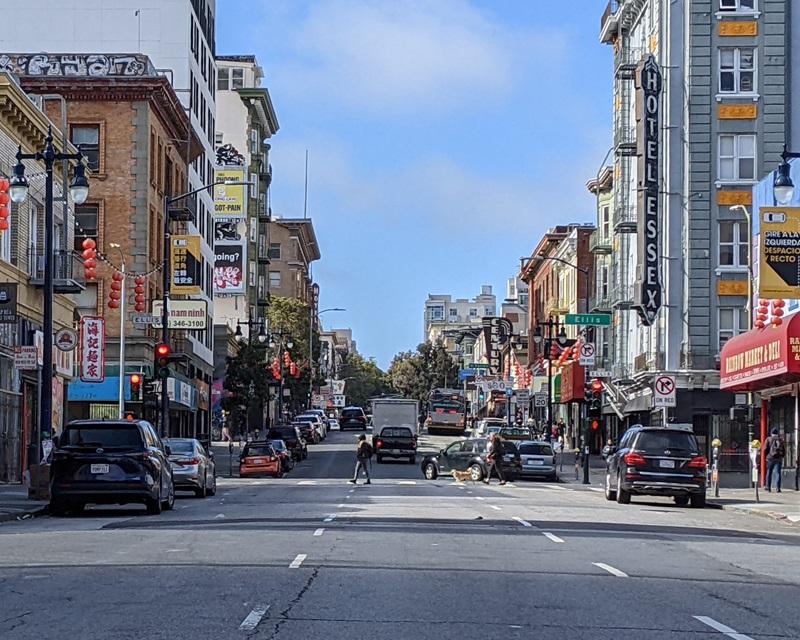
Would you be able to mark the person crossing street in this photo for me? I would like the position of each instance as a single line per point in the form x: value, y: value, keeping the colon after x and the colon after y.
x: 363, y: 455
x: 495, y: 459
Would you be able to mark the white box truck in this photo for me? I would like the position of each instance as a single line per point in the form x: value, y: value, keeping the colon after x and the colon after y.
x: 394, y: 428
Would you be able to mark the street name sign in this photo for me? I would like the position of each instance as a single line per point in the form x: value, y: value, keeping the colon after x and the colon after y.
x: 478, y: 365
x: 595, y: 319
x: 664, y: 391
x: 599, y: 373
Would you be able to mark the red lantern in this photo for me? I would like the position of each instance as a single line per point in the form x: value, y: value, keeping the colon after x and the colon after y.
x: 3, y: 224
x: 4, y: 211
x: 117, y: 276
x: 114, y: 295
x: 777, y: 321
x: 778, y: 312
x: 90, y: 274
x: 139, y: 307
x: 138, y: 290
x: 88, y: 243
x: 4, y: 199
x: 4, y: 184
x: 139, y: 280
x: 91, y: 263
x: 116, y: 285
x: 139, y: 298
x: 113, y: 304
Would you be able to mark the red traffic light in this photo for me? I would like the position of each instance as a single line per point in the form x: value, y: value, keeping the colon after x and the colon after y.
x: 163, y: 351
x: 136, y: 379
x: 595, y: 425
x: 597, y: 385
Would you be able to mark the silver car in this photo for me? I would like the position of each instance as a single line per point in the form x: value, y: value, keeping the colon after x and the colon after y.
x: 193, y: 468
x: 538, y: 459
x: 319, y: 425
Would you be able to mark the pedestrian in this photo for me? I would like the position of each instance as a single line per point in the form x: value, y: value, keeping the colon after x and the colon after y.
x: 561, y: 427
x: 609, y: 448
x: 363, y: 455
x: 578, y: 461
x: 495, y: 459
x: 776, y: 450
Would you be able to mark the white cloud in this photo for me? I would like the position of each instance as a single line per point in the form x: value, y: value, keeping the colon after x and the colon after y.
x: 405, y: 55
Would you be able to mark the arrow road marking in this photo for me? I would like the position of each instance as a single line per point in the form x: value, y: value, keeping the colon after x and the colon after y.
x: 253, y: 618
x: 613, y: 571
x: 724, y: 629
x: 298, y: 561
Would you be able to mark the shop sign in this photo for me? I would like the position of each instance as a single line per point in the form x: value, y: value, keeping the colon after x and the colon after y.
x: 93, y: 349
x: 230, y: 258
x: 183, y: 314
x: 202, y: 394
x: 8, y: 303
x: 186, y: 265
x: 229, y: 199
x: 25, y: 358
x: 66, y: 340
x: 648, y: 105
x: 779, y: 252
x: 58, y: 404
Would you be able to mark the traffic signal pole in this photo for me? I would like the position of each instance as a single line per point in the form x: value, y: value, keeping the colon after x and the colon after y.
x: 122, y: 342
x: 165, y: 280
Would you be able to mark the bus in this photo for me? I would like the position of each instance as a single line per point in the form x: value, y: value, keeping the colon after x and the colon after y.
x: 447, y: 411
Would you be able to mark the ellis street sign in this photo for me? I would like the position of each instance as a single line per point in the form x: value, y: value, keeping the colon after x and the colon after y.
x: 595, y: 319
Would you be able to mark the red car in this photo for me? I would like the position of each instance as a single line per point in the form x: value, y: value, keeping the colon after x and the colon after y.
x: 260, y: 459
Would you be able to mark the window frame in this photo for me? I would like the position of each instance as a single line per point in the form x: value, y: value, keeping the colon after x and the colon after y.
x: 223, y: 79
x: 736, y: 70
x: 736, y: 157
x: 80, y: 236
x: 274, y: 255
x: 98, y: 126
x: 737, y: 245
x: 274, y: 283
x: 234, y: 80
x: 738, y: 326
x: 736, y: 7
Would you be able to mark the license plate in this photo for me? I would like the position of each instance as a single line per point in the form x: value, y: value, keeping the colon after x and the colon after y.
x: 534, y: 462
x: 258, y: 461
x: 395, y: 451
x: 666, y: 464
x: 99, y: 468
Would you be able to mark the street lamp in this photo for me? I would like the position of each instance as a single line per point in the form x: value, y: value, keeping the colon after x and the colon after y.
x: 783, y: 187
x: 18, y: 192
x: 276, y: 339
x: 262, y: 333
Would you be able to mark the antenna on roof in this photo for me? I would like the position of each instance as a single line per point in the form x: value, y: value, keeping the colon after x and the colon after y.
x: 305, y: 194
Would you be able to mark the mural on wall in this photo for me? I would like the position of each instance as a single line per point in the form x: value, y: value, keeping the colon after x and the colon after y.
x: 75, y: 64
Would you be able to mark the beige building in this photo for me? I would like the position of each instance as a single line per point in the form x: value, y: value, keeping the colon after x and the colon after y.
x: 292, y: 248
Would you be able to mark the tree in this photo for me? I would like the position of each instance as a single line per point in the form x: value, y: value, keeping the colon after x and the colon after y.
x: 247, y: 383
x: 364, y: 378
x: 415, y: 374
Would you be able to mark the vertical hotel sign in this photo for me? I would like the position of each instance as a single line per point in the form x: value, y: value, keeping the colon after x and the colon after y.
x: 648, y: 105
x: 93, y: 349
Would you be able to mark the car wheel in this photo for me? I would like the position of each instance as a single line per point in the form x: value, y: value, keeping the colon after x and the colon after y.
x: 430, y: 471
x: 681, y: 501
x: 213, y: 490
x: 169, y: 503
x: 379, y: 459
x: 698, y: 501
x: 412, y: 459
x: 202, y: 492
x: 611, y: 494
x: 153, y: 506
x: 58, y: 508
x: 623, y: 497
x: 476, y: 472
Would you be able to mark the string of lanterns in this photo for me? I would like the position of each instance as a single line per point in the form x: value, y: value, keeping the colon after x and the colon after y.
x: 769, y: 312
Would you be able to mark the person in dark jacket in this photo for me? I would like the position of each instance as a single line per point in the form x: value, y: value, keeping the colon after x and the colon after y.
x: 776, y: 450
x: 495, y: 459
x: 363, y: 454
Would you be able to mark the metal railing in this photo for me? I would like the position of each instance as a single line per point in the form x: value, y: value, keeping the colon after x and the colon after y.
x: 66, y: 264
x: 611, y: 9
x: 599, y: 242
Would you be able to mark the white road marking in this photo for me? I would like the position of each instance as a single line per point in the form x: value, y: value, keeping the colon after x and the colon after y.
x: 724, y: 629
x: 307, y: 482
x: 551, y: 536
x: 596, y: 489
x: 407, y: 482
x: 612, y: 570
x: 511, y: 484
x: 219, y: 515
x: 330, y: 518
x: 298, y: 561
x: 524, y: 523
x: 319, y: 532
x: 479, y: 498
x: 496, y: 508
x: 347, y: 497
x: 253, y: 618
x: 341, y: 506
x: 351, y: 491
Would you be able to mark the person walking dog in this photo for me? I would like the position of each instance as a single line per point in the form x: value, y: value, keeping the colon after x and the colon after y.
x: 363, y: 455
x: 495, y: 459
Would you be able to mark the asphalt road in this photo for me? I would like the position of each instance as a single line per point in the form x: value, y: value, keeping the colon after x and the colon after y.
x: 309, y: 556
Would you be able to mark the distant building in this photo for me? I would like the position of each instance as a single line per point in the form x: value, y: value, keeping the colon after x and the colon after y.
x: 445, y: 317
x: 292, y: 248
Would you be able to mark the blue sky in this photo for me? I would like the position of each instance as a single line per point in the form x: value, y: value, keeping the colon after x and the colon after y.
x: 444, y: 138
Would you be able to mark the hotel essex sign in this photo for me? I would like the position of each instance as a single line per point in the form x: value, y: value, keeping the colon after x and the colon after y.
x: 648, y: 106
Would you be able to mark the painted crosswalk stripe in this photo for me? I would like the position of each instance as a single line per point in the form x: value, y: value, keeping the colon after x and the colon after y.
x: 551, y: 536
x: 495, y: 507
x: 407, y: 482
x: 298, y: 561
x: 253, y: 618
x: 330, y: 518
x: 319, y: 532
x: 479, y: 498
x: 724, y: 629
x: 524, y: 523
x: 612, y: 570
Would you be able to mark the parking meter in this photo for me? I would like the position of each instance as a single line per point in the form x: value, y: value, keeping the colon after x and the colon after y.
x: 754, y: 450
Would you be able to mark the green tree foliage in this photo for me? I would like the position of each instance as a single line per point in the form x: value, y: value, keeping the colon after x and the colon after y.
x: 413, y: 374
x: 246, y: 381
x: 364, y: 378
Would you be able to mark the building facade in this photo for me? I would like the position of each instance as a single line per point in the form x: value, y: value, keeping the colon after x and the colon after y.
x: 292, y: 250
x: 445, y: 318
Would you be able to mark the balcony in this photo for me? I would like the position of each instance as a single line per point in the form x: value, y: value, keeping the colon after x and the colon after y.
x: 600, y: 243
x: 263, y: 250
x: 609, y: 22
x: 600, y: 304
x: 184, y: 210
x: 264, y: 214
x: 559, y: 307
x: 622, y: 297
x: 626, y: 60
x: 65, y: 265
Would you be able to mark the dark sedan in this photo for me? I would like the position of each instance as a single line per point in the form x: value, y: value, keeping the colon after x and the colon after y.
x: 470, y: 454
x: 292, y: 437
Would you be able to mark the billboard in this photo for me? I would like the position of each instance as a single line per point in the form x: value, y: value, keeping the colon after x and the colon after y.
x: 229, y: 268
x: 230, y: 199
x: 779, y: 252
x: 186, y: 265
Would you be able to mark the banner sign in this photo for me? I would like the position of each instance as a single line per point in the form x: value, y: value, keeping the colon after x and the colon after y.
x: 229, y: 272
x: 183, y: 314
x: 93, y: 349
x: 8, y: 303
x: 229, y: 199
x: 496, y: 331
x: 186, y: 265
x: 779, y: 252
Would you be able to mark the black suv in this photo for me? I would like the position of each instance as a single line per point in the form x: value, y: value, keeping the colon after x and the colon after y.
x: 294, y: 440
x: 470, y: 455
x: 352, y: 418
x: 657, y: 461
x: 110, y: 462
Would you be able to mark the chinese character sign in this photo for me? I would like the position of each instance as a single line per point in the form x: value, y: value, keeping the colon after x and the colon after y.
x: 93, y: 349
x: 186, y: 265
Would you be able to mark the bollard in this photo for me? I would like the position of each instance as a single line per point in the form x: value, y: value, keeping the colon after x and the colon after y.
x: 755, y: 448
x: 716, y: 443
x: 230, y: 458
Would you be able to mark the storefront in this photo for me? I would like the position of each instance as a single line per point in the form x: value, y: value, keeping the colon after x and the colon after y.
x: 767, y: 362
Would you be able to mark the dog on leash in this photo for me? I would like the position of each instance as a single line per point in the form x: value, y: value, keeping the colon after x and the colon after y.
x: 461, y: 476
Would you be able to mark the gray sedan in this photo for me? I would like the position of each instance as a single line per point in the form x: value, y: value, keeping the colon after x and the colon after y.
x: 193, y: 469
x: 538, y: 459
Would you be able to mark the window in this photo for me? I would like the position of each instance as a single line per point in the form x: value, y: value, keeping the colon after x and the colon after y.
x: 744, y: 6
x: 218, y: 139
x: 605, y: 222
x: 274, y: 251
x: 223, y: 79
x: 86, y: 219
x: 436, y: 313
x: 602, y: 282
x: 87, y: 136
x: 737, y: 157
x: 732, y: 244
x: 732, y: 322
x: 274, y: 279
x: 473, y: 312
x: 737, y: 70
x: 237, y: 78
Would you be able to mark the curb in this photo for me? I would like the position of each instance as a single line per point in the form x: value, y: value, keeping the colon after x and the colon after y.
x: 23, y: 515
x: 762, y: 513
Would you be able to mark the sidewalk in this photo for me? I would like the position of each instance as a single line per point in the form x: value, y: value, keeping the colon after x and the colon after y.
x: 14, y: 503
x: 784, y: 506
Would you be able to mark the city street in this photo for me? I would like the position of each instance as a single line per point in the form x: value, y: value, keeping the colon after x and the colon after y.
x: 311, y: 556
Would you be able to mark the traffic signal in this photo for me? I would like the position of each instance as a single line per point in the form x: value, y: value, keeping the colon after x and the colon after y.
x: 136, y: 387
x: 594, y: 424
x: 130, y: 416
x: 595, y: 408
x: 481, y: 397
x: 161, y: 360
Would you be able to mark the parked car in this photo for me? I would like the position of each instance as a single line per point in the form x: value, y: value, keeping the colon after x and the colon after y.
x: 481, y: 430
x: 287, y: 461
x: 537, y: 459
x: 395, y: 442
x: 517, y: 434
x: 316, y: 421
x: 308, y: 431
x: 470, y: 454
x: 258, y: 458
x: 352, y: 418
x: 193, y: 468
x: 294, y: 440
x: 333, y: 423
x: 657, y: 461
x: 110, y: 462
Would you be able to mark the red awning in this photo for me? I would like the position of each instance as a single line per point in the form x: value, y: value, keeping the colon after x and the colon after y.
x: 762, y: 358
x: 573, y: 376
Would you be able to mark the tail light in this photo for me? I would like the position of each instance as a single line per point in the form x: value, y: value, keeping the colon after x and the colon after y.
x: 379, y: 444
x: 189, y: 461
x: 698, y: 462
x: 634, y: 460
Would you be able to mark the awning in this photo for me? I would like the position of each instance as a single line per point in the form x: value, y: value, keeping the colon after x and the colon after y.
x: 573, y: 378
x: 762, y: 358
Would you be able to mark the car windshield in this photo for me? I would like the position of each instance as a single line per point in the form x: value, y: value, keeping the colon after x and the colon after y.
x: 257, y: 450
x: 278, y: 445
x: 306, y: 418
x: 660, y: 441
x: 180, y: 447
x: 536, y: 449
x: 493, y: 428
x: 284, y: 432
x: 396, y: 432
x: 103, y: 437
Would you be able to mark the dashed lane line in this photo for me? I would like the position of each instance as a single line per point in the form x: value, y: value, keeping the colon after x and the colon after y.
x: 551, y: 536
x: 253, y: 618
x: 298, y: 561
x: 480, y: 498
x: 340, y: 506
x: 319, y: 532
x: 495, y: 507
x: 722, y: 628
x: 612, y: 570
x: 524, y: 523
x: 330, y: 518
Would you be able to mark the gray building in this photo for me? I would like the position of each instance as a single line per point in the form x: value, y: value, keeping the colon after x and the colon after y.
x: 686, y: 150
